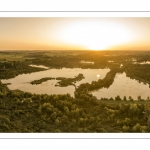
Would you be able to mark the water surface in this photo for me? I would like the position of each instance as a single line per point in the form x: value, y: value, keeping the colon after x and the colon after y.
x: 22, y: 82
x: 124, y: 86
x: 87, y: 62
x: 142, y: 63
x: 39, y: 66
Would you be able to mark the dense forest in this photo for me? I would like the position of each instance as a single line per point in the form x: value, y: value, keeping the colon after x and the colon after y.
x: 26, y: 112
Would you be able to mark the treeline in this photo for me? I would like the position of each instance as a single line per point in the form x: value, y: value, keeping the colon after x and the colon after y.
x: 101, y: 59
x: 106, y: 82
x: 73, y: 61
x: 138, y: 72
x: 26, y: 112
x: 10, y: 69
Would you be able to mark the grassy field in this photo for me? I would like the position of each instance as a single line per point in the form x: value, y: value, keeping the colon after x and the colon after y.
x: 15, y: 55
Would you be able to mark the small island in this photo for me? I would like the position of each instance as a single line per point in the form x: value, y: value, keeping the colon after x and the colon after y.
x: 41, y: 80
x: 63, y: 80
x: 69, y: 81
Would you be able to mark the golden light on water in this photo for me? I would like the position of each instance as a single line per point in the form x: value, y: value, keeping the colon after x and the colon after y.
x: 97, y: 75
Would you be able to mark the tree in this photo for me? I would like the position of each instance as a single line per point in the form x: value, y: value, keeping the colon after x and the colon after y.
x: 66, y: 110
x: 148, y: 98
x: 74, y: 106
x: 134, y: 110
x: 148, y: 122
x: 76, y: 112
x: 124, y: 98
x: 57, y: 131
x: 127, y: 121
x: 137, y: 128
x: 81, y: 121
x: 4, y: 119
x: 92, y: 119
x: 57, y: 122
x: 117, y: 98
x: 53, y: 116
x: 64, y: 119
x: 130, y: 98
x: 139, y: 98
x: 144, y: 129
x: 126, y: 128
x: 47, y: 107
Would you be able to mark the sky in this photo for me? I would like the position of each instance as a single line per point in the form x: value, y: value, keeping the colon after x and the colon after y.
x: 76, y: 33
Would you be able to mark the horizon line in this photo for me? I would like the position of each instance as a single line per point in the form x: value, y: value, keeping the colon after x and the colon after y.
x: 74, y: 50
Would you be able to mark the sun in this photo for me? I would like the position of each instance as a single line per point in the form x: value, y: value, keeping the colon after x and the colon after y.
x: 94, y: 35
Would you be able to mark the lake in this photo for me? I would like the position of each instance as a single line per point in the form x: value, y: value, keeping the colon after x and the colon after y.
x: 142, y: 63
x: 124, y: 86
x: 22, y: 82
x: 87, y: 62
x: 39, y: 66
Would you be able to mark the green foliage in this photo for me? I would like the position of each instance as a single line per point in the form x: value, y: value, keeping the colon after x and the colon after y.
x: 4, y: 119
x: 126, y: 129
x: 10, y: 69
x: 26, y: 112
x: 69, y: 81
x: 137, y: 128
x: 41, y: 80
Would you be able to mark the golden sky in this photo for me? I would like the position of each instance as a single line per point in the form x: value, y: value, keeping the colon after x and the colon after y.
x: 74, y: 33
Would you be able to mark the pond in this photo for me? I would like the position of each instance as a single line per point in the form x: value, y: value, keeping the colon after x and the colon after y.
x: 124, y: 86
x: 87, y: 62
x: 22, y: 82
x: 39, y: 66
x: 142, y: 63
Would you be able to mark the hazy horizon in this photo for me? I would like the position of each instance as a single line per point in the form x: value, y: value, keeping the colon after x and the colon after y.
x: 74, y: 33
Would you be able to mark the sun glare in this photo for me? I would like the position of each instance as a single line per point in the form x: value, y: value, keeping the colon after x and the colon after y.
x: 95, y: 35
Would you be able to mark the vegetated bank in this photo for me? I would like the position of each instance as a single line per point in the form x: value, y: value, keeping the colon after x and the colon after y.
x: 106, y: 82
x: 41, y: 80
x: 69, y: 81
x: 26, y: 112
x: 63, y: 80
x: 11, y: 69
